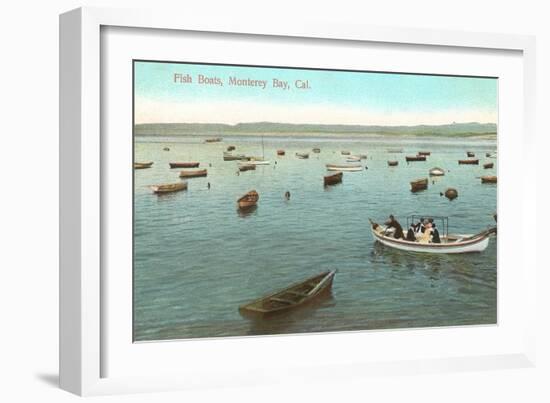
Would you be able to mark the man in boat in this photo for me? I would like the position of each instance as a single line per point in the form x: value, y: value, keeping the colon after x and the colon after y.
x: 393, y: 223
x: 435, y: 234
x: 412, y: 231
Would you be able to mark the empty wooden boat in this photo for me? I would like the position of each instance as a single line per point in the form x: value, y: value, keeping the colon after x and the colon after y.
x: 393, y: 163
x: 411, y: 158
x: 425, y: 153
x: 194, y: 174
x: 249, y: 199
x: 280, y: 152
x: 184, y: 164
x: 353, y: 158
x: 291, y: 297
x: 302, y: 155
x: 233, y: 157
x: 488, y: 165
x: 316, y: 150
x: 213, y: 140
x: 470, y: 154
x: 344, y: 167
x: 488, y: 179
x: 468, y: 162
x: 346, y: 153
x: 419, y: 184
x: 166, y: 149
x: 246, y: 167
x: 333, y: 179
x: 230, y: 148
x: 437, y: 171
x: 142, y: 165
x: 169, y: 187
x: 258, y: 161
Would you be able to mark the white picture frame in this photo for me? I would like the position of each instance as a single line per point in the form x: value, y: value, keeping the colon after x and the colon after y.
x: 81, y: 171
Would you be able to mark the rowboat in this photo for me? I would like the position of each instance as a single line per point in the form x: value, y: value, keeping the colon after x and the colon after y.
x: 213, y: 140
x: 142, y: 165
x: 488, y: 179
x: 488, y: 165
x: 419, y: 184
x: 362, y: 156
x: 246, y: 167
x: 411, y: 158
x: 344, y: 167
x: 194, y: 174
x: 346, y: 153
x: 291, y: 297
x: 470, y: 154
x: 230, y: 148
x: 169, y: 187
x: 302, y: 155
x: 424, y: 153
x: 280, y: 152
x: 249, y: 199
x: 333, y: 179
x: 451, y: 193
x: 393, y: 163
x: 491, y: 155
x: 468, y: 162
x: 463, y: 243
x: 166, y: 149
x: 437, y: 171
x: 353, y: 158
x: 233, y: 157
x: 254, y: 161
x: 184, y: 164
x: 316, y: 150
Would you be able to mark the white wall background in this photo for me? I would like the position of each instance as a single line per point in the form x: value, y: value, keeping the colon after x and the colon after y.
x: 29, y: 201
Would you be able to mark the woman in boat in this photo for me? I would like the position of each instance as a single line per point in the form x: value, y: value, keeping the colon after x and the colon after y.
x: 393, y: 223
x: 412, y: 231
x: 435, y: 234
x: 426, y: 235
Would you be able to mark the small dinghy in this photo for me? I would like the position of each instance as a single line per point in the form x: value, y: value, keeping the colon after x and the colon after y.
x: 316, y: 150
x: 230, y: 148
x: 468, y: 162
x: 488, y: 165
x: 412, y: 158
x: 302, y: 155
x: 488, y: 179
x: 194, y: 174
x: 393, y: 163
x: 169, y: 187
x: 344, y: 167
x: 470, y: 154
x: 346, y: 153
x: 424, y: 153
x: 246, y: 167
x: 292, y: 296
x: 437, y: 171
x: 213, y: 140
x: 248, y: 200
x: 184, y: 164
x: 281, y: 152
x: 419, y: 184
x: 142, y: 165
x: 333, y: 179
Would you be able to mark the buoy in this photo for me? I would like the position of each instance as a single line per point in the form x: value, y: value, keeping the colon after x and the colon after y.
x: 451, y: 193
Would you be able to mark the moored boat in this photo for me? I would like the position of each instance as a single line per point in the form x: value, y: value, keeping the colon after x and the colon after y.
x: 451, y: 193
x: 258, y: 161
x: 411, y: 158
x: 213, y: 140
x: 436, y: 171
x: 233, y: 157
x: 169, y: 187
x: 488, y: 165
x: 280, y: 152
x: 353, y: 158
x: 419, y: 184
x: 194, y: 174
x: 468, y: 162
x: 246, y: 167
x: 333, y: 179
x: 166, y: 149
x: 230, y: 148
x: 143, y: 165
x: 424, y: 153
x: 488, y: 179
x: 344, y: 167
x: 184, y: 164
x: 316, y: 150
x: 249, y: 199
x: 393, y: 163
x: 345, y: 152
x: 291, y: 297
x: 302, y: 155
x: 470, y: 154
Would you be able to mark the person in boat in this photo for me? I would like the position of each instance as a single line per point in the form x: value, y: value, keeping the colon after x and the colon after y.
x: 426, y: 235
x: 393, y: 223
x: 411, y: 232
x: 435, y: 234
x: 287, y: 195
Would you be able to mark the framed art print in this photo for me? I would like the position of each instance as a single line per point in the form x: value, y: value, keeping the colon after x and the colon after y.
x: 247, y: 196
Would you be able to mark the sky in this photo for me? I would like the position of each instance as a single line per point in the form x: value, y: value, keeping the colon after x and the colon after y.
x: 331, y: 97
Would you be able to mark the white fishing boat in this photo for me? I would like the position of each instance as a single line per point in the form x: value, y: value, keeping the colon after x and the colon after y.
x: 344, y: 167
x: 437, y: 171
x: 450, y: 244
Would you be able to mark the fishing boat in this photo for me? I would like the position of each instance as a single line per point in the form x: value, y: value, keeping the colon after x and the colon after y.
x: 142, y: 165
x: 437, y: 171
x: 194, y: 174
x: 291, y: 297
x: 450, y: 244
x: 346, y: 153
x: 316, y: 150
x: 246, y: 167
x: 333, y: 179
x: 169, y: 187
x: 230, y: 148
x: 280, y: 152
x: 248, y: 200
x: 393, y: 163
x: 468, y: 162
x: 213, y: 140
x: 470, y: 154
x: 302, y: 156
x: 488, y: 179
x: 425, y: 153
x: 419, y: 184
x: 344, y: 167
x: 488, y: 165
x: 411, y: 158
x: 184, y: 164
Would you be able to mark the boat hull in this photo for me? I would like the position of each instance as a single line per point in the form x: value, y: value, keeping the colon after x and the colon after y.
x: 347, y: 168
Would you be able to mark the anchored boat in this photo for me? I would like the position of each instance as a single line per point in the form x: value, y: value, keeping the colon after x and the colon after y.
x: 194, y: 174
x: 488, y: 179
x: 142, y: 165
x: 169, y: 187
x: 437, y: 171
x: 468, y: 162
x: 302, y: 155
x: 393, y: 163
x: 344, y: 167
x: 333, y: 179
x: 419, y: 184
x: 184, y: 164
x: 411, y: 158
x: 249, y: 199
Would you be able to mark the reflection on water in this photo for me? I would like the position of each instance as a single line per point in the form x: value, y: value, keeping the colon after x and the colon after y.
x: 245, y: 212
x: 197, y: 257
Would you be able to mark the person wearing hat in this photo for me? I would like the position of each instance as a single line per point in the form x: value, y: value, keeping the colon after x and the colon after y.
x: 393, y: 223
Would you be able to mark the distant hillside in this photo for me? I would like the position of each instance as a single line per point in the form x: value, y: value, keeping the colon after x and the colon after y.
x: 473, y: 129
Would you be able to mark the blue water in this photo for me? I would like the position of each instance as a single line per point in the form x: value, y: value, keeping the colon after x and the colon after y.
x: 197, y: 258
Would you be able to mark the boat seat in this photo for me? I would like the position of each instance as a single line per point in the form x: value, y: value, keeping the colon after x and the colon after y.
x: 298, y: 293
x: 283, y: 300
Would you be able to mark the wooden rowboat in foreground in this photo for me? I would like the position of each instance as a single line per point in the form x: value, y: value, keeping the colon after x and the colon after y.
x: 419, y: 184
x: 333, y: 179
x: 468, y: 162
x: 184, y: 164
x: 488, y: 179
x: 169, y: 187
x: 291, y: 297
x: 142, y: 165
x: 249, y: 199
x: 194, y: 174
